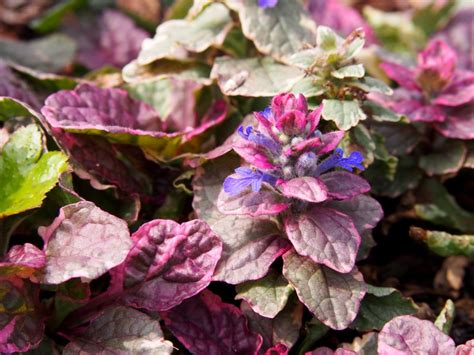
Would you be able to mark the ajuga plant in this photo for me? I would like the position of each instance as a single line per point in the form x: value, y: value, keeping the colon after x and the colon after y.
x: 219, y: 186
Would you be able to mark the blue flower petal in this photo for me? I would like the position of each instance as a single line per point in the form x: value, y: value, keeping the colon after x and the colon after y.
x: 267, y: 3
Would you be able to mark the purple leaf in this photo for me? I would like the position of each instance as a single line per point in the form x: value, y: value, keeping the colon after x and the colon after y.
x: 330, y: 141
x: 250, y: 245
x: 305, y: 188
x: 206, y: 325
x: 111, y: 40
x: 251, y: 203
x: 342, y: 185
x: 11, y: 86
x: 283, y: 329
x: 438, y: 61
x: 83, y: 241
x: 119, y: 330
x: 410, y: 335
x: 168, y: 263
x: 23, y: 261
x: 364, y: 211
x: 326, y: 235
x: 403, y: 76
x: 253, y: 153
x: 20, y: 327
x: 332, y: 297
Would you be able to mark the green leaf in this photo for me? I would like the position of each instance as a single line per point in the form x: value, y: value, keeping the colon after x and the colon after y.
x: 267, y: 296
x: 314, y: 331
x: 26, y: 175
x: 326, y: 38
x: 174, y: 38
x: 369, y: 84
x: 380, y: 176
x: 445, y: 244
x: 10, y: 108
x: 49, y: 54
x: 280, y: 31
x: 349, y: 71
x: 440, y: 208
x: 431, y: 17
x: 445, y: 158
x: 309, y: 86
x: 345, y: 114
x: 380, y: 305
x: 445, y: 319
x: 254, y: 77
x: 380, y: 113
x: 51, y: 19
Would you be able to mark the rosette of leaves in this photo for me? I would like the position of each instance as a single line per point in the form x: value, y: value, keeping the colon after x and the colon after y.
x: 292, y: 197
x: 437, y: 99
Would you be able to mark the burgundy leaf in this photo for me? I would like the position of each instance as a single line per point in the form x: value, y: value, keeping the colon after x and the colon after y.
x: 20, y: 327
x: 326, y: 351
x: 207, y: 326
x: 168, y: 263
x: 332, y: 297
x: 405, y: 77
x: 11, y: 86
x: 410, y: 335
x: 83, y: 241
x: 251, y: 203
x: 119, y: 330
x: 458, y: 124
x: 459, y: 92
x: 305, y: 188
x: 342, y: 185
x: 326, y: 235
x: 363, y: 210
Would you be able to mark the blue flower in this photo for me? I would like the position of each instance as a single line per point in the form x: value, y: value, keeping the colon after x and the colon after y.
x: 337, y: 160
x: 249, y: 177
x: 267, y: 3
x: 255, y: 136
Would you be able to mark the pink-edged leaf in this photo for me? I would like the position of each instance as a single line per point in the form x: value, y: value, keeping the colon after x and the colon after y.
x: 465, y: 349
x: 330, y: 141
x: 410, y: 335
x: 250, y: 245
x: 284, y: 329
x: 326, y: 235
x: 404, y: 76
x: 83, y: 241
x: 326, y: 351
x: 340, y: 17
x: 206, y: 325
x: 427, y: 113
x: 364, y: 211
x: 279, y: 349
x: 342, y: 185
x: 90, y: 109
x: 253, y: 154
x: 459, y: 92
x: 305, y: 188
x: 458, y: 124
x: 251, y: 203
x: 23, y: 261
x: 112, y: 39
x: 334, y: 298
x: 168, y: 263
x: 119, y: 330
x: 20, y: 327
x: 439, y: 59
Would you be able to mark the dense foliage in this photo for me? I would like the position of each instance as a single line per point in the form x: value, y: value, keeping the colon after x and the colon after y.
x: 256, y: 177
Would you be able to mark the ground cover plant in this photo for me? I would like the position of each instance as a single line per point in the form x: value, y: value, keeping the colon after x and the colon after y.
x: 236, y: 176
